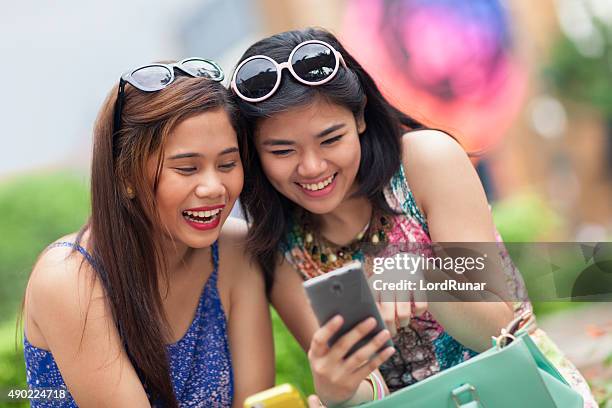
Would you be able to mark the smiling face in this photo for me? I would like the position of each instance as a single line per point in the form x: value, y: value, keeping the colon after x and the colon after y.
x: 311, y: 154
x: 201, y: 178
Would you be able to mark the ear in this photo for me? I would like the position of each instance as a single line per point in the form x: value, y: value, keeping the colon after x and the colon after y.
x: 361, y: 125
x: 360, y: 119
x: 129, y: 190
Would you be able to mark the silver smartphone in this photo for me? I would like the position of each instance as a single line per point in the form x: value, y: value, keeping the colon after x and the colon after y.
x: 345, y: 291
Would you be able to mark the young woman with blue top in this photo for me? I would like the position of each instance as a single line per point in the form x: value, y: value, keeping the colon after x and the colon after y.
x: 154, y: 302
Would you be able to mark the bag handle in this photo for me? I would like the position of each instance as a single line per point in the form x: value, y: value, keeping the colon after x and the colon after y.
x: 474, y: 401
x: 508, y: 333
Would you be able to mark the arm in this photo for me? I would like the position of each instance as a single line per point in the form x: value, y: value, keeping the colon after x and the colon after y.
x: 448, y: 190
x: 68, y: 306
x: 289, y: 299
x: 249, y: 324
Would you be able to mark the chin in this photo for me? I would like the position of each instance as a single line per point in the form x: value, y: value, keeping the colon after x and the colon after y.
x: 199, y: 239
x: 319, y: 208
x: 201, y: 242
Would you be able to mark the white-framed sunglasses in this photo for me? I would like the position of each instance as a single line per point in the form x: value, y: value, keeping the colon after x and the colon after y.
x: 311, y: 63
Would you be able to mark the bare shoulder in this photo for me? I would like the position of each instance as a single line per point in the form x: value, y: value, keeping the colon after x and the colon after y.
x: 429, y: 147
x: 61, y: 283
x: 68, y: 314
x: 433, y: 161
x: 58, y: 269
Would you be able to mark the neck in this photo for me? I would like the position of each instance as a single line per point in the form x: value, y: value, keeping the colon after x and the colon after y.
x: 178, y: 257
x: 346, y: 221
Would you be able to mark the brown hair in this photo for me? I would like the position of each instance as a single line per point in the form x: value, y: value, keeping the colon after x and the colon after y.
x: 123, y: 233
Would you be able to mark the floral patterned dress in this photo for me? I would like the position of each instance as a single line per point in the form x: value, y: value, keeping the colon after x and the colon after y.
x: 424, y: 347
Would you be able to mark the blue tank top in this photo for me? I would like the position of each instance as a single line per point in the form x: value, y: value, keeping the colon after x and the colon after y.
x: 200, y: 362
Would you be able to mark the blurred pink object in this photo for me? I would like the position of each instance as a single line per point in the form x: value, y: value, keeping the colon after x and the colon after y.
x: 446, y: 63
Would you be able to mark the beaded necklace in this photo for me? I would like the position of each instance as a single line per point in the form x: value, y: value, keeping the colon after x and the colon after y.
x: 329, y: 256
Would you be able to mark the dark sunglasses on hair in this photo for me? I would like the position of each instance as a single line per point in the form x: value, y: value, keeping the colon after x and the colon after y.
x: 155, y: 77
x: 311, y: 63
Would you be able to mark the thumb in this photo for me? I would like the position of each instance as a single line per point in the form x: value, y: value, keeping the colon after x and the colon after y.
x: 314, y: 402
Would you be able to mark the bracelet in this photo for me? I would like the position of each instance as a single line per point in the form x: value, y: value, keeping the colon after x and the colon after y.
x: 377, y: 387
x: 381, y: 387
x: 374, y: 387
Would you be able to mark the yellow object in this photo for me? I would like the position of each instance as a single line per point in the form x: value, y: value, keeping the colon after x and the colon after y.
x: 281, y: 396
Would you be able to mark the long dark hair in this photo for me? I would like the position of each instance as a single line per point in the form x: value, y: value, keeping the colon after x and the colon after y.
x: 124, y: 233
x: 352, y: 88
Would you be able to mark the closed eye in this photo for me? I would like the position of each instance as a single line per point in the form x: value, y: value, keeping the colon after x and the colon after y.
x: 185, y: 170
x: 281, y: 152
x: 228, y: 166
x: 332, y: 140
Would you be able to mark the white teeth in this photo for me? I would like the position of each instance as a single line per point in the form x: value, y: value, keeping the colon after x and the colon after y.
x: 195, y: 215
x: 321, y: 185
x: 203, y: 213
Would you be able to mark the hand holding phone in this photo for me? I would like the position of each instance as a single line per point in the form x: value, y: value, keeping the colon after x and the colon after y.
x: 352, y: 341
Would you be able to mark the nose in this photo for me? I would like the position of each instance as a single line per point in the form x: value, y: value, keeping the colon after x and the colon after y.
x: 311, y: 165
x: 210, y: 187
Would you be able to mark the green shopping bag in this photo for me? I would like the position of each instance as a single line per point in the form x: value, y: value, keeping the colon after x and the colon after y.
x: 512, y: 374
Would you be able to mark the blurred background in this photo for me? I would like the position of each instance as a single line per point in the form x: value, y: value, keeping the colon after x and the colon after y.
x: 526, y: 86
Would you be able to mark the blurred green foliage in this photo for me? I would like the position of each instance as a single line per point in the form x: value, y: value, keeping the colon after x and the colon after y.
x: 12, y: 369
x: 36, y: 210
x: 525, y: 217
x: 291, y: 361
x: 583, y: 77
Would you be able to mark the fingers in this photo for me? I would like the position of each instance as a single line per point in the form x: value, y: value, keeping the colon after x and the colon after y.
x: 375, y: 362
x: 319, y: 345
x: 365, y: 353
x: 334, y: 379
x: 314, y: 402
x: 398, y: 314
x: 419, y: 303
x: 346, y: 342
x: 403, y: 312
x: 419, y: 308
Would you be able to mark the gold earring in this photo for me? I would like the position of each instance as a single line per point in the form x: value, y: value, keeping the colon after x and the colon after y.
x: 130, y: 192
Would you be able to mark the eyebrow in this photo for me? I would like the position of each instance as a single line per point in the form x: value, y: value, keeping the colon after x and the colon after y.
x: 193, y: 154
x: 330, y: 129
x: 323, y: 133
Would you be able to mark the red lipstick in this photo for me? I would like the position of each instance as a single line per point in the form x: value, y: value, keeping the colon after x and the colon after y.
x: 199, y: 223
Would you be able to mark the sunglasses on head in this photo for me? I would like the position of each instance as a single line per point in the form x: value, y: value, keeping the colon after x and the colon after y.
x: 311, y: 63
x: 155, y: 77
